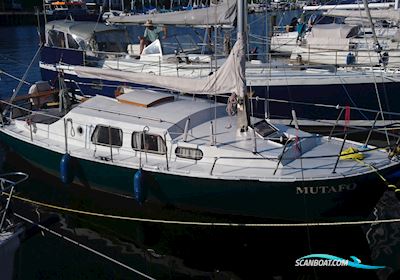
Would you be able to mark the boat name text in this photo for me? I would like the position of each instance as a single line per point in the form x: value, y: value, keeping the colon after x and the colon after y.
x: 326, y: 189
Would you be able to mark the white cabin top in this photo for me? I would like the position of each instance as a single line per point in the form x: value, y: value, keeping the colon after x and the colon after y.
x: 155, y: 109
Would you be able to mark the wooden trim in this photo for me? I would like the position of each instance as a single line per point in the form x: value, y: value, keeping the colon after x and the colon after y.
x: 155, y: 102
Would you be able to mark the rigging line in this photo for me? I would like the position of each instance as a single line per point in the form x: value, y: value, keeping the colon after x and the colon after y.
x: 288, y: 89
x: 392, y: 79
x: 373, y: 73
x: 25, y: 74
x: 83, y: 246
x: 14, y: 77
x: 27, y: 110
x: 255, y: 20
x: 329, y: 106
x: 298, y: 143
x: 351, y: 99
x: 214, y: 224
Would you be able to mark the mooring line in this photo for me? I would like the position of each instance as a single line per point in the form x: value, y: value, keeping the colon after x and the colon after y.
x: 194, y: 223
x: 84, y: 246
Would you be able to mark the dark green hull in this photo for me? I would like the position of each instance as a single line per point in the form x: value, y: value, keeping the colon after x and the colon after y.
x: 347, y: 198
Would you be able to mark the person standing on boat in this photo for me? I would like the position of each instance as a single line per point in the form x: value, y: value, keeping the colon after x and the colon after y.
x: 301, y: 28
x: 151, y: 34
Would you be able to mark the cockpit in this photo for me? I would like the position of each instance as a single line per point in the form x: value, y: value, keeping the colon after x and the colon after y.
x: 178, y: 45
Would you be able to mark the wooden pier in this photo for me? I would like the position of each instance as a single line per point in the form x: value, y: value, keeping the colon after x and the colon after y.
x: 17, y: 18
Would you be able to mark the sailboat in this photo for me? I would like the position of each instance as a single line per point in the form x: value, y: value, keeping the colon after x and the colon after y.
x: 360, y: 40
x: 193, y: 153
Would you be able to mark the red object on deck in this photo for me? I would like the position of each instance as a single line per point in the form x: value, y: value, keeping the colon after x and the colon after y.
x: 346, y: 117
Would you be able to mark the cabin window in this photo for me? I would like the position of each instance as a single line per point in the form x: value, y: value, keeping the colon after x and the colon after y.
x: 189, y: 153
x: 107, y: 136
x: 56, y: 39
x: 72, y: 44
x: 111, y: 41
x: 147, y: 142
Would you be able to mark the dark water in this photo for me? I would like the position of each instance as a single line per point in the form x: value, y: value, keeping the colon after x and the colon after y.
x: 173, y: 252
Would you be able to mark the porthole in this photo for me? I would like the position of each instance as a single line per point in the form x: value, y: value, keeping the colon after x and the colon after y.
x: 80, y: 130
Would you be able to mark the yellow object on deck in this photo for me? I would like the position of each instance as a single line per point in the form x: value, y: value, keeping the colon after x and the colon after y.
x: 52, y: 104
x: 351, y: 153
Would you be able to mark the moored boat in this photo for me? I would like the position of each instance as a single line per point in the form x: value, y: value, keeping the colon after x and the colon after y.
x: 196, y: 154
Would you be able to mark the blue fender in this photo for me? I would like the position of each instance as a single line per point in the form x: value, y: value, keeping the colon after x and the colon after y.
x: 66, y: 172
x: 139, y: 190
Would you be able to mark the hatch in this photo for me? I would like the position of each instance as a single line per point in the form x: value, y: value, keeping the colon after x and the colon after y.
x: 144, y: 98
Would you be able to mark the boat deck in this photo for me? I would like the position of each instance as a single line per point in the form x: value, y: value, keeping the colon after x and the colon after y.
x: 260, y: 166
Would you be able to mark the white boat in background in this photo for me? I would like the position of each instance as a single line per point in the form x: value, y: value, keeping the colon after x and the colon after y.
x: 258, y: 7
x: 110, y: 14
x: 337, y: 43
x: 318, y: 50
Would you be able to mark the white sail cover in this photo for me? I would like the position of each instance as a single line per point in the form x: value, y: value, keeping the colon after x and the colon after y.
x: 331, y: 36
x: 229, y: 78
x: 222, y: 14
x: 375, y: 14
x: 334, y: 30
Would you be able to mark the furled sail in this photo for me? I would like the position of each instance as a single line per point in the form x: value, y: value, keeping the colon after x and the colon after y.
x: 332, y: 36
x: 222, y: 14
x: 229, y: 78
x: 357, y: 14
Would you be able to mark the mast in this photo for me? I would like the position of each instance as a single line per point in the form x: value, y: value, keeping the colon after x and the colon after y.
x: 378, y: 47
x: 242, y: 111
x: 44, y: 12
